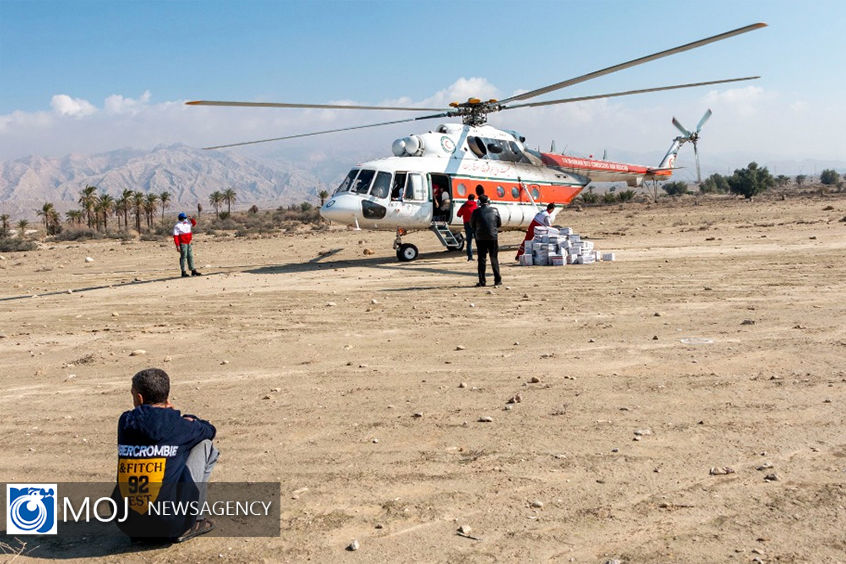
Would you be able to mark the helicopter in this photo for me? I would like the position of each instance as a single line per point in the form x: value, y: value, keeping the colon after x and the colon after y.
x: 400, y: 192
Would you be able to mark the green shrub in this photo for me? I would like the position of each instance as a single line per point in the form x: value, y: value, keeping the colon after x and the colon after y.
x: 14, y: 245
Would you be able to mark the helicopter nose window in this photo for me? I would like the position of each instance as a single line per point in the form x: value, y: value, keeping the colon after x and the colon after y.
x: 382, y: 185
x: 362, y: 183
x: 347, y: 182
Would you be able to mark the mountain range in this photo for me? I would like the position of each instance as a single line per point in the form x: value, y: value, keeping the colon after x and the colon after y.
x: 190, y: 175
x: 266, y: 179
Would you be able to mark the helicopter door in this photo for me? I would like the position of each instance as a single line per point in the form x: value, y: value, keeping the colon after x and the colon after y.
x: 409, y: 205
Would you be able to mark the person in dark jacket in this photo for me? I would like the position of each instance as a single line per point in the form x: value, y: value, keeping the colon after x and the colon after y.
x: 164, y: 457
x: 486, y: 222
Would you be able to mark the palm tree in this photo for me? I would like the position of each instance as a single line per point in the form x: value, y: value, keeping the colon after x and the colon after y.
x: 74, y: 216
x: 106, y: 206
x: 47, y: 211
x: 88, y: 201
x: 215, y: 199
x: 229, y: 197
x: 150, y: 207
x: 137, y: 204
x: 22, y: 225
x: 165, y: 199
x: 323, y: 194
x: 4, y: 224
x: 124, y: 202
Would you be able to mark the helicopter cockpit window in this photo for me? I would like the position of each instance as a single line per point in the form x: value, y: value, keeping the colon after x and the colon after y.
x: 382, y: 185
x: 362, y: 183
x: 399, y: 186
x: 477, y: 145
x: 347, y: 182
x: 414, y: 188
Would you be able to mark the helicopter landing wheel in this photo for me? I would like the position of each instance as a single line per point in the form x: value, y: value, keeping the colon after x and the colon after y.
x: 407, y: 252
x: 461, y: 242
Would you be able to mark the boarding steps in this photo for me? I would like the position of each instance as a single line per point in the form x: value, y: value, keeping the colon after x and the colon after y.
x: 452, y: 241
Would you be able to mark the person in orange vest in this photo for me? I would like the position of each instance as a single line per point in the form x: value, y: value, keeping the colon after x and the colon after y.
x: 465, y: 212
x: 182, y: 239
x: 540, y: 219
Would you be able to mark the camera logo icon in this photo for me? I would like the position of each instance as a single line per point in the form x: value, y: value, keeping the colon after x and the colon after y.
x: 31, y: 509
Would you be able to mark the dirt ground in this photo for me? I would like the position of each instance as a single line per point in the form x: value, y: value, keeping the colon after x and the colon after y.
x: 719, y: 333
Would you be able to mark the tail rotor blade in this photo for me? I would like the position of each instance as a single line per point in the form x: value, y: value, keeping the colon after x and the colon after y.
x: 698, y: 174
x: 703, y: 120
x: 681, y: 128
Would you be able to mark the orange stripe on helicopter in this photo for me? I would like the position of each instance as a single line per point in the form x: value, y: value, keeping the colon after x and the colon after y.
x: 512, y: 193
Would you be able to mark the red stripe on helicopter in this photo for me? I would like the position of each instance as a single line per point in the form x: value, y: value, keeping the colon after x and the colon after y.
x: 577, y: 163
x: 512, y: 192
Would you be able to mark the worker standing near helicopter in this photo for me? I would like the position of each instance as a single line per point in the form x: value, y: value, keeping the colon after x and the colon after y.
x: 182, y: 240
x: 465, y: 212
x: 486, y: 222
x: 540, y: 219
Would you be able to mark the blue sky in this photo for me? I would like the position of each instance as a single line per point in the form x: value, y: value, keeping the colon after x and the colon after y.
x: 82, y: 76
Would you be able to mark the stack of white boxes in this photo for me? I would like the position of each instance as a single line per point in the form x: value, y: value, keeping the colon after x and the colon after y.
x: 552, y: 246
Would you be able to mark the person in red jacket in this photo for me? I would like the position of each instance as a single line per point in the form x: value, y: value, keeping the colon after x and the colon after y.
x: 464, y: 212
x: 182, y: 240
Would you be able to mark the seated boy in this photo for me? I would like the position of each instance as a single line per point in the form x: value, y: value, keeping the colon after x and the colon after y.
x: 164, y: 458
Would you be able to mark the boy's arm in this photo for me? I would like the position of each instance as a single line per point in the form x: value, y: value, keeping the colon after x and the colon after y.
x: 195, y: 429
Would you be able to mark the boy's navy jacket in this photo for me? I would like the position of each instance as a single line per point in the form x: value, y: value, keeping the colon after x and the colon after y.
x: 153, y: 447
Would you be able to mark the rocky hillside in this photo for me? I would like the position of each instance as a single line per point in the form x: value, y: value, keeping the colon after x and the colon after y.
x: 189, y: 174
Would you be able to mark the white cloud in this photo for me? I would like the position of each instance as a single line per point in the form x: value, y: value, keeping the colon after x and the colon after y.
x: 64, y: 105
x: 746, y: 120
x: 117, y: 104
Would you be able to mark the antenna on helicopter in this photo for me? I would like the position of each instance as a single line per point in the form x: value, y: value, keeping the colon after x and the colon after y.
x: 693, y: 137
x: 604, y: 154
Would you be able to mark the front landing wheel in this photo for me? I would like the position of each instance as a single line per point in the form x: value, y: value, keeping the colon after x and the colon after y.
x: 407, y: 252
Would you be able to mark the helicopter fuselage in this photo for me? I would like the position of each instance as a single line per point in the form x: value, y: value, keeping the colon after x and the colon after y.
x: 399, y: 192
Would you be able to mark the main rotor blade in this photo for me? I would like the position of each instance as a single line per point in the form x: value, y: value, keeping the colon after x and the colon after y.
x: 323, y: 132
x: 702, y: 121
x: 633, y: 63
x: 681, y: 128
x: 698, y: 174
x: 627, y: 93
x: 316, y: 106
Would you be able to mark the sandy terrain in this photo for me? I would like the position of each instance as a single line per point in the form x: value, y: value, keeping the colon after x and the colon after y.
x: 721, y: 328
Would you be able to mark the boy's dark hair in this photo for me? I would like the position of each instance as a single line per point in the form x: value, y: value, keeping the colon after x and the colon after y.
x: 471, y: 197
x: 550, y: 207
x: 153, y: 384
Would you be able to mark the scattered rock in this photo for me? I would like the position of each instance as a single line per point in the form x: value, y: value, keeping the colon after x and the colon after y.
x: 764, y: 466
x: 89, y: 259
x: 374, y: 301
x: 330, y: 304
x: 167, y: 358
x: 138, y: 352
x: 354, y: 545
x: 486, y: 419
x: 222, y: 362
x: 464, y: 530
x: 462, y: 385
x: 748, y: 322
x: 267, y: 397
x: 643, y: 432
x: 537, y: 504
x: 115, y: 314
x: 771, y: 477
x: 276, y: 390
x: 472, y: 305
x: 515, y: 399
x: 375, y: 441
x: 460, y: 348
x: 418, y: 414
x: 548, y: 355
x: 721, y: 470
x: 368, y: 252
x: 534, y: 379
x: 657, y: 314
